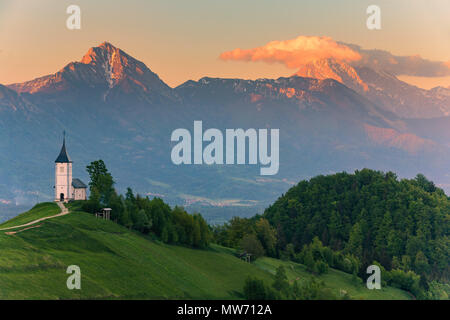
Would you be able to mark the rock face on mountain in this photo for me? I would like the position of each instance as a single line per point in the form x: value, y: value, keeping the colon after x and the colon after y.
x: 104, y: 70
x: 382, y: 88
x: 11, y: 101
x: 115, y: 108
x: 332, y: 69
x: 405, y: 100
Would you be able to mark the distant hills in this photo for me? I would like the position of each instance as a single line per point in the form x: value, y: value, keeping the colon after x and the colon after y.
x: 114, y: 107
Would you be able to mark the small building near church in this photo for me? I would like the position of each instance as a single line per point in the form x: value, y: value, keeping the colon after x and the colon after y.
x: 104, y: 213
x: 79, y: 189
x: 66, y: 187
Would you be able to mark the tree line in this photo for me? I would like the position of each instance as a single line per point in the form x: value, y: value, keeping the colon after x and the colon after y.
x: 148, y: 216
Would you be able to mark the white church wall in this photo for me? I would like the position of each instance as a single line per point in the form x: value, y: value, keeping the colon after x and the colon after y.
x: 63, y: 180
x: 80, y: 194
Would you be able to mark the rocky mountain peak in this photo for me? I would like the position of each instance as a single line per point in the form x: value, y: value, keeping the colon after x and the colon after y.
x: 104, y: 67
x: 111, y: 62
x: 333, y: 69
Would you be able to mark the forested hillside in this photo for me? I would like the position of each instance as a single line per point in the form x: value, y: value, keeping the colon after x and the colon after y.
x: 349, y: 221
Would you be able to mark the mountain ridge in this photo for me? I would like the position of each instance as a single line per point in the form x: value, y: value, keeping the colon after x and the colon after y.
x: 382, y: 88
x: 126, y: 116
x: 107, y: 66
x: 103, y: 67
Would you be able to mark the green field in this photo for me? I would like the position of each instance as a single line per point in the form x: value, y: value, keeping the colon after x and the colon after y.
x: 117, y: 263
x: 41, y: 210
x: 336, y: 280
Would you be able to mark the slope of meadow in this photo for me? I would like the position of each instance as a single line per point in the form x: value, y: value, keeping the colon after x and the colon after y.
x: 117, y: 263
x: 41, y: 210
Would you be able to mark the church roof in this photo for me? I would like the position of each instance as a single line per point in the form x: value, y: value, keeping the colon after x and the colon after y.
x: 78, y: 184
x: 63, y: 156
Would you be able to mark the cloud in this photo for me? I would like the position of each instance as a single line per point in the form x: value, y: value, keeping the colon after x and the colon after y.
x: 413, y: 65
x: 295, y: 52
x: 298, y: 52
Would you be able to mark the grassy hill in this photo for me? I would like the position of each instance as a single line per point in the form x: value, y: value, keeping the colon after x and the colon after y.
x: 41, y: 210
x: 117, y: 263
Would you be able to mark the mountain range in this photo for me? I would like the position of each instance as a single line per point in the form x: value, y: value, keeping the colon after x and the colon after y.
x: 332, y: 116
x: 383, y: 88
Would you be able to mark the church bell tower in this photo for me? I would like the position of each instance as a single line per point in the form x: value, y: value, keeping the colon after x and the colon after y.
x: 63, y: 175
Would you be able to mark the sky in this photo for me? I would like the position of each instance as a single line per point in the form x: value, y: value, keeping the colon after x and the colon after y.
x: 183, y: 40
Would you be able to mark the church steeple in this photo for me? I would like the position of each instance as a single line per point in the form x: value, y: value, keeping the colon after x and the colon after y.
x: 63, y: 156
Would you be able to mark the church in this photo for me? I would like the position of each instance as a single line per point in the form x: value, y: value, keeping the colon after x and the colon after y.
x: 66, y: 187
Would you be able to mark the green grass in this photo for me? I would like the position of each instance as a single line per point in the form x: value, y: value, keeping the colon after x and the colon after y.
x: 335, y: 280
x: 75, y: 205
x: 40, y: 210
x: 117, y: 263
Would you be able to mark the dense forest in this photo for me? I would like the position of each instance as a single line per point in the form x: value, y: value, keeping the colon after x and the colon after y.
x: 153, y: 217
x: 350, y: 221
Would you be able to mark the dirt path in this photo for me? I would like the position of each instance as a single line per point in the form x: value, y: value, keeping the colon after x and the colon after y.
x: 10, y: 233
x: 63, y: 212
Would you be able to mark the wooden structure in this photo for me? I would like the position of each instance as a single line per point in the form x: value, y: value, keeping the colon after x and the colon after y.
x: 247, y: 257
x: 104, y: 213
